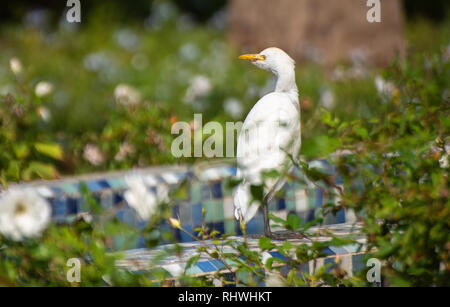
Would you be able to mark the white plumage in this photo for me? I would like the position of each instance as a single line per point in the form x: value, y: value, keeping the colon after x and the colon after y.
x: 270, y: 133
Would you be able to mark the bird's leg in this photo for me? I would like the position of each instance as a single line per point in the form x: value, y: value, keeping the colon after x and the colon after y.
x: 267, y: 231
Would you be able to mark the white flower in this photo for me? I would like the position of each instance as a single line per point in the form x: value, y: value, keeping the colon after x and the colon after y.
x: 124, y: 150
x: 200, y: 86
x: 15, y: 65
x: 93, y: 154
x: 43, y: 88
x: 174, y: 223
x: 233, y: 107
x: 274, y: 280
x: 327, y: 99
x: 217, y: 282
x: 126, y: 95
x: 384, y: 88
x: 444, y: 161
x: 85, y: 216
x: 127, y: 39
x: 23, y: 214
x: 44, y: 113
x: 141, y: 199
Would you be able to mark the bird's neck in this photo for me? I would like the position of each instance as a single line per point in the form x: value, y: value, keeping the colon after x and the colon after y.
x: 285, y: 81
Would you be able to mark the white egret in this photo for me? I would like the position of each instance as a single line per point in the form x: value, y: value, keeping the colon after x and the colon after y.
x: 270, y: 136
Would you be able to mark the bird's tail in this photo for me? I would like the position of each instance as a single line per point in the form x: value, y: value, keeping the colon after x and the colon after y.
x: 244, y: 204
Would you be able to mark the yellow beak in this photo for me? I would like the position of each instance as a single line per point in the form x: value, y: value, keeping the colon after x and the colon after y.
x: 252, y: 57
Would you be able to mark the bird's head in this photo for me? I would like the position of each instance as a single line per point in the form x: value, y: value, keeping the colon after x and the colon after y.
x: 271, y: 59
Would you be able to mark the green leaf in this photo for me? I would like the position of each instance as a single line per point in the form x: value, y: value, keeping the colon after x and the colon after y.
x: 51, y: 150
x: 21, y: 150
x: 13, y: 170
x: 293, y: 222
x: 276, y: 219
x: 42, y: 170
x: 269, y: 263
x: 265, y: 243
x: 257, y: 192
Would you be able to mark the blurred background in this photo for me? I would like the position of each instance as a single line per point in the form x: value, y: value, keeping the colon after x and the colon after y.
x: 102, y: 94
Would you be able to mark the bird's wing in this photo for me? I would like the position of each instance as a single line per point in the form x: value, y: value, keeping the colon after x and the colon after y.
x: 271, y: 129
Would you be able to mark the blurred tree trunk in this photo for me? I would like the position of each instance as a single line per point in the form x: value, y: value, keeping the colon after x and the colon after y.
x: 321, y: 30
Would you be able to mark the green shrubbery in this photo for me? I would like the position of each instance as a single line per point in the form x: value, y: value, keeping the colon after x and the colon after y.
x: 95, y: 100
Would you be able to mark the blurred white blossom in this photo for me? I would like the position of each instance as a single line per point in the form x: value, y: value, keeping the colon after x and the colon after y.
x: 124, y: 151
x: 189, y: 52
x: 23, y: 214
x: 37, y: 19
x: 175, y: 223
x: 274, y: 280
x: 85, y: 216
x: 15, y: 65
x: 384, y: 88
x: 444, y: 161
x: 126, y: 95
x: 141, y: 199
x: 93, y: 154
x: 200, y: 86
x: 104, y: 63
x: 43, y: 88
x: 314, y: 54
x: 44, y: 113
x: 126, y: 39
x: 162, y: 12
x: 327, y: 99
x: 233, y: 107
x: 219, y: 20
x: 338, y: 74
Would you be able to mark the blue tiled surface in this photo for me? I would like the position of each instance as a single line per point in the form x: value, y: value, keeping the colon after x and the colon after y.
x: 208, y: 192
x: 351, y: 259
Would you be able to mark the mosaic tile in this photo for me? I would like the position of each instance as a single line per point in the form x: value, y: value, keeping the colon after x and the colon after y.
x: 185, y: 213
x: 281, y: 204
x: 303, y: 199
x: 206, y: 266
x: 170, y: 178
x: 106, y: 200
x: 70, y: 188
x: 290, y: 205
x: 229, y: 226
x: 206, y: 192
x: 56, y: 191
x: 94, y: 186
x: 210, y: 209
x: 228, y: 207
x: 358, y: 262
x: 196, y: 192
x: 72, y: 205
x: 117, y: 183
x: 59, y: 207
x: 220, y: 227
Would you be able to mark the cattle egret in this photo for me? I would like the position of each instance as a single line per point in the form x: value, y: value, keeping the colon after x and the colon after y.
x: 270, y: 136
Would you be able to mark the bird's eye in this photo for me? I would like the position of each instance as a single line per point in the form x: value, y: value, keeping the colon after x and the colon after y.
x: 258, y: 58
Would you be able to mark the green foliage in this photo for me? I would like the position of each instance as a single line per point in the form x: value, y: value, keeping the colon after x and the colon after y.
x: 393, y: 142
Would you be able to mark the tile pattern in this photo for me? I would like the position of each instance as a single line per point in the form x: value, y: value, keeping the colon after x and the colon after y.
x: 351, y: 257
x: 206, y: 189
